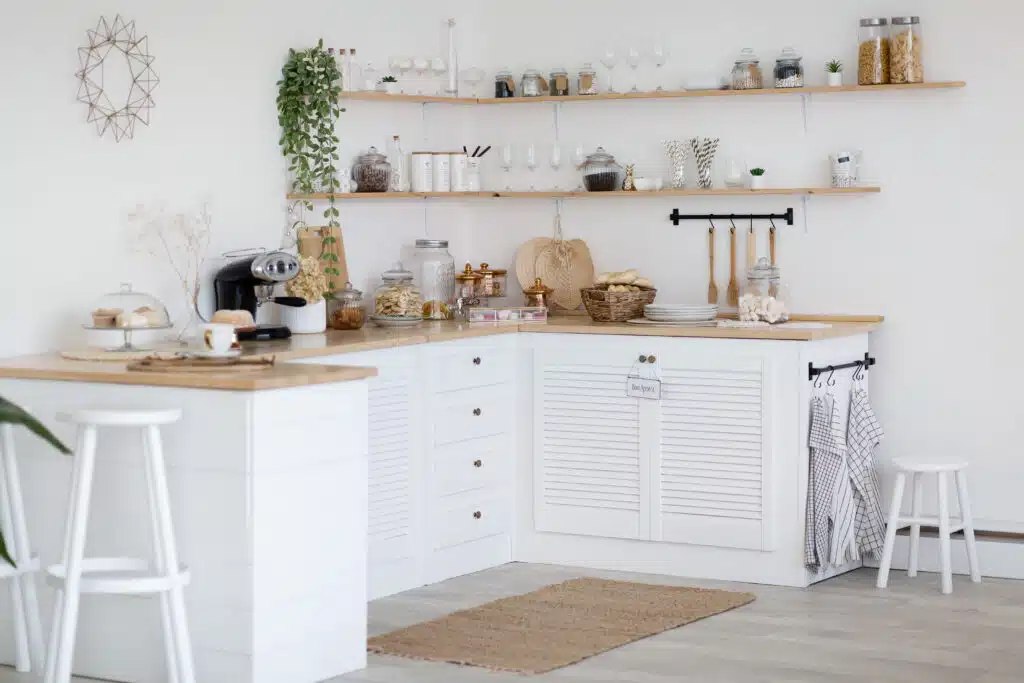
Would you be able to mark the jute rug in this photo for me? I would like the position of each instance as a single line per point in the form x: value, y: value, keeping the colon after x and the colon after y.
x: 557, y: 625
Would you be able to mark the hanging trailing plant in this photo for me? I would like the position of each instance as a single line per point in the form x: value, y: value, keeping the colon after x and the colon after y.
x: 307, y: 111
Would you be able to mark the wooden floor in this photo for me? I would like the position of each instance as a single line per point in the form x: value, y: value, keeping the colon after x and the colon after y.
x: 844, y: 630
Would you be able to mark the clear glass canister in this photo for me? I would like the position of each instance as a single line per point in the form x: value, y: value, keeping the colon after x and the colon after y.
x: 873, y: 55
x: 558, y: 84
x: 345, y: 309
x: 467, y: 283
x: 533, y: 84
x: 435, y: 271
x: 746, y: 73
x: 504, y: 85
x: 905, y: 65
x: 789, y: 69
x: 397, y: 296
x: 538, y: 295
x: 765, y: 297
x: 586, y: 82
x: 601, y: 173
x: 493, y: 281
x: 372, y: 172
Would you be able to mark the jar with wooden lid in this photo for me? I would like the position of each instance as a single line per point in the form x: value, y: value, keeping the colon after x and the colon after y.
x: 873, y: 54
x: 345, y: 309
x: 467, y: 283
x: 539, y: 295
x: 905, y: 65
x: 586, y: 81
x: 746, y: 72
x: 558, y: 83
x: 493, y: 282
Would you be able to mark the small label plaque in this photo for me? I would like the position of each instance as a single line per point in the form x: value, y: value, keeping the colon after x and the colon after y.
x: 637, y: 387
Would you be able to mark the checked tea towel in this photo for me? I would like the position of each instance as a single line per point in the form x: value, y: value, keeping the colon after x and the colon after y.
x: 863, y: 435
x: 831, y: 514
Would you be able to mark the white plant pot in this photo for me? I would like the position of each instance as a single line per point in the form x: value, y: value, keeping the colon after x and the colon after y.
x: 310, y: 319
x: 834, y: 79
x: 757, y: 182
x: 392, y: 88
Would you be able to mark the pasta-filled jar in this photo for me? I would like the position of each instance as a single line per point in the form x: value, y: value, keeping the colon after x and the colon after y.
x: 397, y: 296
x: 873, y: 54
x: 905, y: 65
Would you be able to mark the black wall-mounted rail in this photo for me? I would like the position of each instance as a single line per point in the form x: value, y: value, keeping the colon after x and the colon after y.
x: 813, y: 372
x: 675, y: 216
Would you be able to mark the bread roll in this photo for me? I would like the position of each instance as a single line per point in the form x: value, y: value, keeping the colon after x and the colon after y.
x: 236, y: 318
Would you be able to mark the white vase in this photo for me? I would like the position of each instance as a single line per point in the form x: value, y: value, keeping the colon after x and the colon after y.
x: 392, y: 88
x: 310, y: 319
x: 835, y: 79
x: 757, y: 182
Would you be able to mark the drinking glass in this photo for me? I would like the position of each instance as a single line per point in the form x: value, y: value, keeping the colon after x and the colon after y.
x: 507, y: 158
x: 660, y: 54
x: 370, y: 78
x: 609, y: 60
x: 474, y: 76
x: 556, y: 162
x: 404, y: 67
x: 420, y: 65
x: 579, y: 157
x: 439, y: 69
x: 633, y: 60
x: 531, y: 163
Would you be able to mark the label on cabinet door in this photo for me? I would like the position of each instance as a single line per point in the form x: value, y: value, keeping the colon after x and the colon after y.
x: 638, y: 387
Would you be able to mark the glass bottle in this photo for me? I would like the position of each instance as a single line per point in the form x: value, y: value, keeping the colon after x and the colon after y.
x: 435, y: 270
x: 905, y: 65
x: 873, y: 54
x: 355, y: 72
x: 399, y: 168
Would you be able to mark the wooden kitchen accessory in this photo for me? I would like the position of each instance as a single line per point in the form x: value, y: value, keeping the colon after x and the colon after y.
x: 311, y: 243
x: 526, y: 260
x: 193, y: 364
x: 712, y: 285
x: 616, y: 307
x: 734, y: 286
x: 567, y: 267
x: 751, y: 246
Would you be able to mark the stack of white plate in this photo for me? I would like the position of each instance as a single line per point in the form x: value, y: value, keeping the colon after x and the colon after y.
x: 681, y: 313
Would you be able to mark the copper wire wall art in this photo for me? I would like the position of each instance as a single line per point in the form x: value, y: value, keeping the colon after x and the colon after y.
x: 109, y: 41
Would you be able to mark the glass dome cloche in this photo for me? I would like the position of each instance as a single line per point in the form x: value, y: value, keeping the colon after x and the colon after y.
x: 128, y: 311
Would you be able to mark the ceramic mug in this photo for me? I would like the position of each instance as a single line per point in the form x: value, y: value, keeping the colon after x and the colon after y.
x: 219, y: 338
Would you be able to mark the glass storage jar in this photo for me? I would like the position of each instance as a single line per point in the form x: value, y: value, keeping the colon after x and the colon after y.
x: 539, y: 295
x: 372, y: 172
x: 467, y: 283
x: 905, y: 65
x: 558, y: 84
x: 504, y: 84
x: 533, y: 84
x: 493, y: 281
x: 789, y: 70
x: 601, y: 173
x: 435, y: 270
x: 873, y: 55
x: 586, y: 81
x: 345, y: 309
x: 746, y: 73
x: 765, y: 297
x: 397, y: 296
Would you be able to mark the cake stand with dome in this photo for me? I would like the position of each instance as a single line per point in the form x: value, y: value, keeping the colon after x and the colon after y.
x: 128, y: 311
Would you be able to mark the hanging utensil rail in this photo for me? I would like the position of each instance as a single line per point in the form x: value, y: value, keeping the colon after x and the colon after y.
x: 675, y: 216
x: 865, y: 364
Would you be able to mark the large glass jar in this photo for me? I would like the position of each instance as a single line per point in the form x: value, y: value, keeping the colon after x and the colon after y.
x: 435, y: 271
x: 493, y: 281
x: 372, y: 172
x: 746, y: 73
x: 345, y: 309
x: 873, y: 55
x: 905, y: 65
x: 533, y: 84
x: 789, y: 70
x: 586, y: 83
x: 765, y: 297
x: 397, y: 296
x: 601, y: 173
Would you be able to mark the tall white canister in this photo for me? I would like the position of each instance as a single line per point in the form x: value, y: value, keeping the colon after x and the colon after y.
x: 422, y: 172
x: 460, y: 172
x: 442, y: 172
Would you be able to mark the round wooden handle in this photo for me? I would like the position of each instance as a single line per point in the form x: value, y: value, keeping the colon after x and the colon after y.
x: 477, y: 411
x: 477, y: 515
x: 478, y: 463
x: 476, y: 361
x: 652, y: 359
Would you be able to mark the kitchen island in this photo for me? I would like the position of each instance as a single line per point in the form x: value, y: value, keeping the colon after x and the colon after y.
x: 486, y: 444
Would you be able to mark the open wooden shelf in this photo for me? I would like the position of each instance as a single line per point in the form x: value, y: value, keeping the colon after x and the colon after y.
x: 664, y: 95
x: 696, y: 192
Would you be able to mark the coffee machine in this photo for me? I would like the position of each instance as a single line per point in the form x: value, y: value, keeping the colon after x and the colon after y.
x: 248, y: 282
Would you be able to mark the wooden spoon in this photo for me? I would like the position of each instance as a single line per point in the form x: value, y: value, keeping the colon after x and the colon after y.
x: 771, y: 244
x: 751, y: 246
x: 712, y: 285
x: 734, y: 287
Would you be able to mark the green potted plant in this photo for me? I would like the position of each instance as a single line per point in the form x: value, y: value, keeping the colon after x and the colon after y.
x: 756, y: 178
x: 308, y: 110
x: 11, y: 414
x: 389, y: 84
x: 834, y: 72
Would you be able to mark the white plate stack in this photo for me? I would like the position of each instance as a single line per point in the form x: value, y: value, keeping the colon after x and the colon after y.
x: 681, y: 314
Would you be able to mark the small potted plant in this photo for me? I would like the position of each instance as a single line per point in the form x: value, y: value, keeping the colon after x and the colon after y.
x: 310, y: 284
x: 388, y: 84
x: 757, y: 179
x: 834, y: 71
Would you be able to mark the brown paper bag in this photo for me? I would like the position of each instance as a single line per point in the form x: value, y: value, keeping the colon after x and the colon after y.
x: 311, y: 243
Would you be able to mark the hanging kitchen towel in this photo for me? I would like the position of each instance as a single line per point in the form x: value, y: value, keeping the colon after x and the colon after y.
x: 816, y: 540
x: 831, y: 518
x: 862, y: 437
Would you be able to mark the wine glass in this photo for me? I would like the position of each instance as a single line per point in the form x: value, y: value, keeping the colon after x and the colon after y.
x: 609, y: 59
x: 438, y: 68
x: 474, y: 76
x: 370, y: 77
x: 556, y: 161
x: 420, y: 65
x: 507, y: 158
x: 660, y: 54
x: 579, y: 157
x: 531, y: 163
x: 404, y: 67
x: 633, y: 58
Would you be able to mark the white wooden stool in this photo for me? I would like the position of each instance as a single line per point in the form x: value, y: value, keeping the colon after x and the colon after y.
x: 77, y: 575
x: 28, y: 633
x: 946, y: 527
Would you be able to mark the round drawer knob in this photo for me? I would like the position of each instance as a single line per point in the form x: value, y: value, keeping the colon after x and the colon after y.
x: 478, y: 463
x: 652, y: 359
x: 476, y: 361
x: 643, y: 359
x: 477, y: 411
x: 477, y: 515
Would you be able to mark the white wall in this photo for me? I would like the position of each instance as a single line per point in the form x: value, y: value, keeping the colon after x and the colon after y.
x: 937, y: 252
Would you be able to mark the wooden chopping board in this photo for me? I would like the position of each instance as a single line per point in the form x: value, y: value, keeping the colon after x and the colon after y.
x: 198, y: 365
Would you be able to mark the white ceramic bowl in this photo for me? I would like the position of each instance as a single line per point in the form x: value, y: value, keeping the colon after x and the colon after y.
x: 648, y: 184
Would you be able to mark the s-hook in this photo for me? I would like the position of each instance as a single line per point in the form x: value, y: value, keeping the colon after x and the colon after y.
x: 831, y: 377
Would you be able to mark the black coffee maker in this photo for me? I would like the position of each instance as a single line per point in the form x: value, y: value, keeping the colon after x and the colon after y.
x: 248, y: 283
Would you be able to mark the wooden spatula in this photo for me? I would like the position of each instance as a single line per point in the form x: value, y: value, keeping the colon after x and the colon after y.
x: 734, y: 287
x: 751, y: 246
x: 712, y: 285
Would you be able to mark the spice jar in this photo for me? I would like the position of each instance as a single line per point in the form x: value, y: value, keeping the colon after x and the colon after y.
x: 601, y: 173
x: 559, y: 83
x: 504, y: 85
x: 345, y: 309
x: 586, y: 81
x: 539, y: 295
x: 492, y: 281
x: 435, y: 269
x: 789, y: 72
x: 905, y: 65
x: 533, y: 84
x: 397, y: 296
x: 873, y: 55
x: 764, y: 298
x: 467, y: 283
x: 372, y: 172
x: 746, y: 73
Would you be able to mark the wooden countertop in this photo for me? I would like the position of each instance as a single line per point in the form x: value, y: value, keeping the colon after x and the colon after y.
x: 370, y: 338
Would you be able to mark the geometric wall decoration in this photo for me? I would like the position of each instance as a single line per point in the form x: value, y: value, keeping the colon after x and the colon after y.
x: 116, y: 40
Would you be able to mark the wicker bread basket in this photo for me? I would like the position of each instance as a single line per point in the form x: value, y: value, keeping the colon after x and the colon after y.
x: 616, y: 307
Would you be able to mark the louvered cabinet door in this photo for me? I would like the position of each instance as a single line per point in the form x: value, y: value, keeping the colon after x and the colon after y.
x: 711, y: 470
x: 588, y: 469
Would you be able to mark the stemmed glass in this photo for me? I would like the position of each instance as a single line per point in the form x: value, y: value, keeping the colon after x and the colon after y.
x: 420, y: 65
x: 660, y: 54
x: 609, y: 60
x: 397, y: 65
x: 579, y: 158
x: 531, y: 163
x: 507, y: 158
x: 405, y: 66
x: 556, y: 162
x: 438, y: 68
x: 474, y: 76
x: 633, y: 59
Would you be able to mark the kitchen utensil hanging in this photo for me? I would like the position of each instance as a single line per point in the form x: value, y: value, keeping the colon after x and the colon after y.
x: 734, y: 287
x: 712, y: 285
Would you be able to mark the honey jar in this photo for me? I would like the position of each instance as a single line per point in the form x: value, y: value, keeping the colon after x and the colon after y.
x: 539, y: 295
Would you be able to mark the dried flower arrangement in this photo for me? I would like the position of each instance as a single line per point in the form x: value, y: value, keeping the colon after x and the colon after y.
x: 311, y: 282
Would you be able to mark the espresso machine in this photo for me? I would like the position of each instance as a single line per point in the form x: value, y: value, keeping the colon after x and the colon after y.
x: 248, y: 282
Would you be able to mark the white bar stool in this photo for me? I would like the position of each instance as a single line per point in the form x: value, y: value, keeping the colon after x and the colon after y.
x: 946, y: 527
x: 120, y: 575
x: 28, y: 632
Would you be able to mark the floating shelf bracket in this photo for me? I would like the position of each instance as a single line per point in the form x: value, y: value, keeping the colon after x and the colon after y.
x: 805, y: 109
x: 789, y: 217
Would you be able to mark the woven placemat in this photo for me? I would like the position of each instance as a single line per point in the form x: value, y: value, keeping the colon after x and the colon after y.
x: 556, y: 626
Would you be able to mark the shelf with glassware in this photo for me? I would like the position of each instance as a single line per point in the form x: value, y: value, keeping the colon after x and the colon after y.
x: 685, y: 192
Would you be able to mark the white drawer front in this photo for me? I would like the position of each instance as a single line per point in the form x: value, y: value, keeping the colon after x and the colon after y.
x: 471, y: 414
x: 471, y: 366
x: 469, y: 466
x: 468, y: 518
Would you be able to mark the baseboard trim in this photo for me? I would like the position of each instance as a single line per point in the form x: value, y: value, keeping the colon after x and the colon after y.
x: 1000, y: 554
